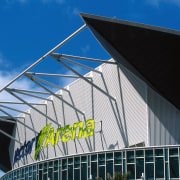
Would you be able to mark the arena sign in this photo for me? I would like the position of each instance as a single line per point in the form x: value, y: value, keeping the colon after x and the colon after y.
x: 68, y: 132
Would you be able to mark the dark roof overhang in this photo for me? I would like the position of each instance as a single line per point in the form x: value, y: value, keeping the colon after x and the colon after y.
x: 5, y: 163
x: 150, y: 52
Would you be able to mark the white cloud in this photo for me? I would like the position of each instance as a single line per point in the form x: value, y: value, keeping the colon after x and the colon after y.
x: 22, y: 83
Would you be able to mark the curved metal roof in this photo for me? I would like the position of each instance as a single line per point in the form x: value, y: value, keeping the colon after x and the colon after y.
x: 150, y: 52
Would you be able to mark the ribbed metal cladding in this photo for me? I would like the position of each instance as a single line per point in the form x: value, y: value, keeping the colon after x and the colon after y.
x: 124, y: 116
x: 164, y: 121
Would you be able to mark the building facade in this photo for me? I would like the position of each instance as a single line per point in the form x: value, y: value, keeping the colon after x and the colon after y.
x: 108, y: 120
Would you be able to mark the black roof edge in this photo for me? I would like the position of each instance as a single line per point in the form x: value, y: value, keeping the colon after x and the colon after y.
x: 130, y: 23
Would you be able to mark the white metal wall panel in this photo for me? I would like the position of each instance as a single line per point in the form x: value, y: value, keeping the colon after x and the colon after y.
x: 124, y: 120
x: 164, y: 121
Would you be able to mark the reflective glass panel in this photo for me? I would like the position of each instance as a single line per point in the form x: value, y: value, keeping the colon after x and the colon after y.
x: 94, y: 157
x: 149, y: 171
x: 139, y: 153
x: 109, y: 156
x: 50, y: 173
x: 76, y: 162
x: 64, y: 164
x: 130, y: 156
x: 84, y: 170
x: 174, y: 167
x: 94, y: 170
x: 56, y: 165
x: 70, y: 172
x: 50, y: 164
x: 131, y: 170
x: 166, y: 154
x: 102, y: 172
x: 70, y: 160
x: 109, y: 167
x: 55, y: 175
x: 45, y: 167
x: 101, y: 159
x: 159, y: 168
x: 117, y: 158
x: 77, y: 174
x: 64, y: 175
x: 158, y: 152
x: 117, y: 168
x: 173, y: 151
x: 83, y: 158
x: 34, y: 175
x: 167, y: 171
x: 139, y: 167
x: 149, y: 155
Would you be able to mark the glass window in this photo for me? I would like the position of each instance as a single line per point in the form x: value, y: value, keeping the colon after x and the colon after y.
x: 139, y: 167
x: 50, y: 173
x: 149, y: 156
x: 130, y: 156
x: 167, y: 171
x: 117, y: 158
x: 109, y: 167
x: 124, y: 166
x: 64, y: 164
x: 40, y: 175
x: 76, y: 174
x: 131, y: 170
x: 45, y: 167
x: 109, y: 156
x: 173, y: 151
x: 22, y: 173
x: 34, y: 167
x: 76, y: 162
x: 94, y: 170
x: 117, y: 168
x: 56, y: 175
x: 124, y: 154
x: 34, y: 175
x: 158, y: 152
x: 102, y: 172
x: 84, y: 171
x: 159, y: 168
x: 166, y: 154
x: 149, y: 171
x: 83, y: 158
x: 64, y: 175
x: 70, y: 160
x: 94, y: 157
x: 40, y: 166
x: 101, y: 159
x: 88, y: 160
x: 56, y: 165
x: 70, y: 172
x: 174, y: 167
x: 50, y: 164
x: 59, y: 162
x: 45, y: 176
x: 139, y: 153
x: 60, y: 173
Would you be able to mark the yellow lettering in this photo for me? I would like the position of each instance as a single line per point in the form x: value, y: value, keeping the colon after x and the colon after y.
x: 59, y: 130
x: 67, y: 130
x: 89, y: 130
x: 50, y: 138
x: 80, y: 125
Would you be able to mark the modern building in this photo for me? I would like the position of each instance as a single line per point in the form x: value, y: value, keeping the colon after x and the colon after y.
x: 123, y: 116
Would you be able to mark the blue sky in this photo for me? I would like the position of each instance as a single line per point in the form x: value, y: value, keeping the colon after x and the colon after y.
x: 30, y: 28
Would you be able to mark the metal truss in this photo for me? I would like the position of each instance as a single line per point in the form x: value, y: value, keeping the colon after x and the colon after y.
x: 47, y: 87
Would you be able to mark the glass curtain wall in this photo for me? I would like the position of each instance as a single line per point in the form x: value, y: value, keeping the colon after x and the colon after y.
x: 154, y: 163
